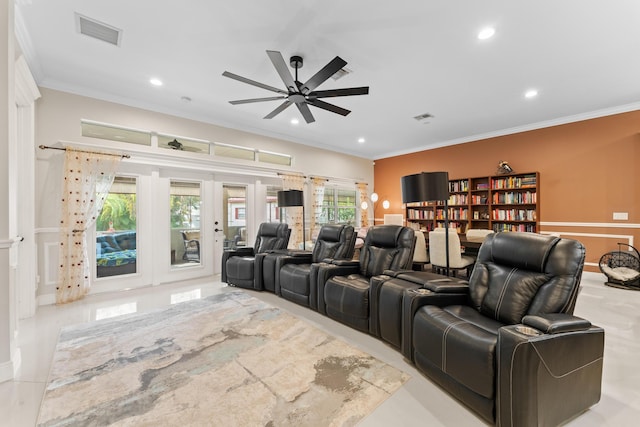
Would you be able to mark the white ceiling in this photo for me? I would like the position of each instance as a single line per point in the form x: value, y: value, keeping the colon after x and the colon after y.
x: 417, y: 56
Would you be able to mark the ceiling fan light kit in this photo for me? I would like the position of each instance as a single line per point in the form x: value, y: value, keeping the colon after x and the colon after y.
x: 300, y: 94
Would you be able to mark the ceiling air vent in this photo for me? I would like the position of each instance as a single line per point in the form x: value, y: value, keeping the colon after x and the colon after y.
x: 98, y: 30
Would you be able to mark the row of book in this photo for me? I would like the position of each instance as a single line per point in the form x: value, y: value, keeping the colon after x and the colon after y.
x: 454, y: 213
x: 531, y: 228
x: 515, y: 198
x: 478, y: 200
x: 457, y: 186
x: 514, y: 214
x: 420, y: 214
x: 458, y: 199
x: 514, y: 182
x: 460, y: 227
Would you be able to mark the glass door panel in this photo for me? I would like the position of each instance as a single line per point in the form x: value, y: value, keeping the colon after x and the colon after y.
x: 234, y: 199
x: 184, y: 201
x: 116, y: 230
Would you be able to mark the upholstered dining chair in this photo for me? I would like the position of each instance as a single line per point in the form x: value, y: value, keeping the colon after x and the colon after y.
x: 438, y: 252
x: 420, y: 254
x: 477, y: 234
x: 240, y: 265
x: 506, y: 343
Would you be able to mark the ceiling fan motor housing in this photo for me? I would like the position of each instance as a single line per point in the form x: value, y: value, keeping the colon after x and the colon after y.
x: 295, y: 62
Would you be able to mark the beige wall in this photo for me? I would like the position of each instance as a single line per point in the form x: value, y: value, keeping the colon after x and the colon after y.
x: 588, y: 170
x: 58, y: 116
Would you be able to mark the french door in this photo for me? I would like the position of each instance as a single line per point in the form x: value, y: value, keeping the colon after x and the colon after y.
x: 231, y: 214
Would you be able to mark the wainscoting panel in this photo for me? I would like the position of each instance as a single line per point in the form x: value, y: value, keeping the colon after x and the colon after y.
x: 598, y: 238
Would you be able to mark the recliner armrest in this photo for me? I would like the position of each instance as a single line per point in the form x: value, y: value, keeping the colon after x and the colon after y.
x: 561, y: 367
x: 321, y: 272
x: 435, y: 282
x: 395, y: 273
x: 412, y: 300
x: 342, y: 262
x: 556, y: 323
x: 246, y: 251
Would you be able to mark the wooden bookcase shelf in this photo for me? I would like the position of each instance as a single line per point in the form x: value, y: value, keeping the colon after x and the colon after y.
x: 499, y: 203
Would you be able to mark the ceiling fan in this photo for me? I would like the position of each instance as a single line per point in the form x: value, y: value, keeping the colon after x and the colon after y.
x: 301, y: 94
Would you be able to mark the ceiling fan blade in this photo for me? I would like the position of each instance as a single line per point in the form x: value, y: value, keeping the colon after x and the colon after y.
x: 253, y: 82
x: 306, y: 113
x: 339, y: 92
x: 278, y: 110
x: 327, y: 71
x: 281, y: 67
x: 329, y: 107
x: 248, y: 101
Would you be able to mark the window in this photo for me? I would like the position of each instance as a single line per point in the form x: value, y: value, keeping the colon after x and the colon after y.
x: 184, y: 201
x: 234, y: 151
x: 339, y: 206
x: 181, y: 143
x: 115, y: 133
x: 116, y: 230
x: 275, y: 158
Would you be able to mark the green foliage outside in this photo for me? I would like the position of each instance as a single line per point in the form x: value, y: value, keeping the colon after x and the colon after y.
x: 118, y: 213
x: 182, y: 208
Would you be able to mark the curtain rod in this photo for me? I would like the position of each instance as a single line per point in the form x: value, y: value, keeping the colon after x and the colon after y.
x: 43, y: 147
x: 301, y: 175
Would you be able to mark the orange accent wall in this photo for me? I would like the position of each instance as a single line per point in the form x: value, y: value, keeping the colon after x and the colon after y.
x: 588, y: 170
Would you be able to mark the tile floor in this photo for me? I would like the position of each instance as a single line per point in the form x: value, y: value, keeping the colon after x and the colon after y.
x: 418, y: 402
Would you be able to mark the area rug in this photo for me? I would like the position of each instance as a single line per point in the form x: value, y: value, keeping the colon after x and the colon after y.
x: 226, y: 360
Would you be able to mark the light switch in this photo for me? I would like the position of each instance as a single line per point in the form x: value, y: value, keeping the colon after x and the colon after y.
x: 623, y: 216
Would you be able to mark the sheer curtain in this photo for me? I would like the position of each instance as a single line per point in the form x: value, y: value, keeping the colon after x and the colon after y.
x: 87, y: 179
x: 293, y: 215
x: 317, y: 189
x: 364, y: 213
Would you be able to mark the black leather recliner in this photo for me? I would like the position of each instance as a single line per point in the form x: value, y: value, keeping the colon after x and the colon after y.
x: 240, y: 266
x: 296, y: 274
x: 507, y: 344
x: 343, y: 286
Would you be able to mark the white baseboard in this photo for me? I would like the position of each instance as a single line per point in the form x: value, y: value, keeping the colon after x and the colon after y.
x: 6, y: 371
x: 47, y: 299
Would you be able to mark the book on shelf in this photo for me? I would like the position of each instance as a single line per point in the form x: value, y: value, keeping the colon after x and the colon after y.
x: 510, y: 198
x: 521, y: 181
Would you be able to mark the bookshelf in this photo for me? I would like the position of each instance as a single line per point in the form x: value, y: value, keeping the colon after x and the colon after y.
x: 499, y: 203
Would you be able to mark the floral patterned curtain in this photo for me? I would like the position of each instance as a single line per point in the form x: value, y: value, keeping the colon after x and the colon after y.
x: 87, y: 179
x: 293, y: 215
x: 364, y: 213
x: 317, y: 189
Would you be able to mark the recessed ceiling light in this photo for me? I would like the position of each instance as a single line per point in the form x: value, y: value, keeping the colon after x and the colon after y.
x: 295, y: 121
x: 156, y: 82
x: 361, y: 140
x: 486, y: 33
x: 531, y: 93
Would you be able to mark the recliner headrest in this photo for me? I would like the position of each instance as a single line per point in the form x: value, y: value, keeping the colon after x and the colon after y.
x: 385, y: 236
x: 528, y: 251
x: 330, y: 233
x: 272, y: 229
